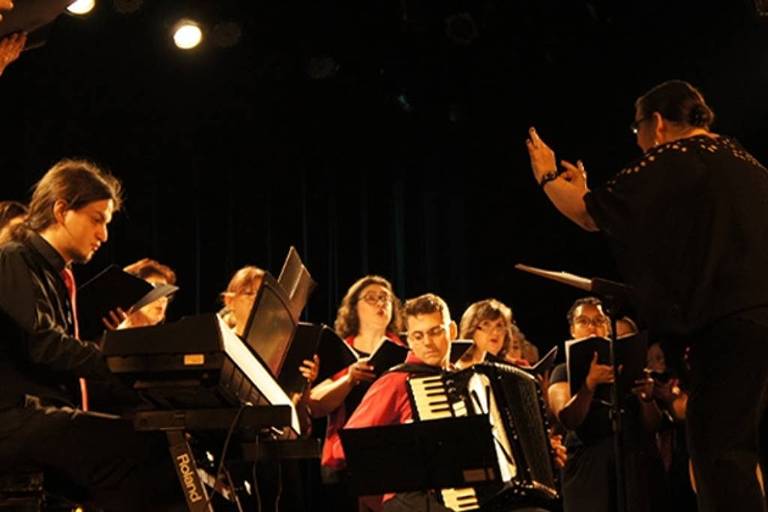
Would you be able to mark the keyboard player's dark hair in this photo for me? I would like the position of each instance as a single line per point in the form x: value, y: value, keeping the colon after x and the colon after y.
x: 77, y: 183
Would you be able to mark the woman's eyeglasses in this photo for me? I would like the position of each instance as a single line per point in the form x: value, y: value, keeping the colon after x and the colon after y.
x: 376, y: 298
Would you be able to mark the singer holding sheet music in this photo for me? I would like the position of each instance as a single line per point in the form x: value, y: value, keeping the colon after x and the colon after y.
x: 488, y: 323
x: 155, y: 273
x: 369, y: 313
x: 589, y: 475
x: 430, y: 332
x: 687, y: 222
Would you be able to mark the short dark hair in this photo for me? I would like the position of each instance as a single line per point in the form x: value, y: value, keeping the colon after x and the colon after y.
x: 593, y: 301
x: 426, y: 305
x: 679, y: 102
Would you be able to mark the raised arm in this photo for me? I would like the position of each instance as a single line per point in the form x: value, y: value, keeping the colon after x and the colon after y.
x: 564, y: 188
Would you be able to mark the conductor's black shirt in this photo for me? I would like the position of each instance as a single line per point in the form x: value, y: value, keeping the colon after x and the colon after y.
x: 689, y: 225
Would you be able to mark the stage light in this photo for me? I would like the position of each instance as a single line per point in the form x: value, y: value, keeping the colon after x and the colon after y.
x: 81, y: 7
x: 187, y: 34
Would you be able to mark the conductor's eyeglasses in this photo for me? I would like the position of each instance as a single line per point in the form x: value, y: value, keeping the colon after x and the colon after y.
x: 635, y: 126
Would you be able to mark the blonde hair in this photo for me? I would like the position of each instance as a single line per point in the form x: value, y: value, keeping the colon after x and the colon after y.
x: 244, y: 281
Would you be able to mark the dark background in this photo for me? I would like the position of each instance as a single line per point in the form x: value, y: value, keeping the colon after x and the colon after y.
x: 376, y: 137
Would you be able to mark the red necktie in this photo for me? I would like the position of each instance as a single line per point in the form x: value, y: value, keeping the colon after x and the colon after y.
x: 69, y: 282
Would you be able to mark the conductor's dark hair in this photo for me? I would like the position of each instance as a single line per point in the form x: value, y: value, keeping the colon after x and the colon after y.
x: 679, y: 102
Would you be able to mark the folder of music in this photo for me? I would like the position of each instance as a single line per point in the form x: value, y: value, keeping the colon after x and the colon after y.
x: 110, y: 289
x: 630, y: 355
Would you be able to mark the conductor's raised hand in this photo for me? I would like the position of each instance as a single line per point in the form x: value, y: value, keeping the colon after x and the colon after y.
x: 575, y: 174
x: 542, y: 157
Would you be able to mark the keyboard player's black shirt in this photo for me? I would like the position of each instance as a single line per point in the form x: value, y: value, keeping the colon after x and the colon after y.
x: 38, y: 353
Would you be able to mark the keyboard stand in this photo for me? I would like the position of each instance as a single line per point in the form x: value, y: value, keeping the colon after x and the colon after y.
x: 177, y: 423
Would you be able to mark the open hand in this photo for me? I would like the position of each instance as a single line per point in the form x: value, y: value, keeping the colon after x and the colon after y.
x: 542, y: 157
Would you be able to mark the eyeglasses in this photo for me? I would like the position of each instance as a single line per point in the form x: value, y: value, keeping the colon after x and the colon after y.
x: 374, y: 298
x: 635, y: 126
x: 433, y: 332
x: 487, y: 327
x: 585, y: 321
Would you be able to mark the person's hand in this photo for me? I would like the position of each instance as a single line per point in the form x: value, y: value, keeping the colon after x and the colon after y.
x: 310, y: 368
x: 542, y: 157
x: 114, y: 318
x: 361, y: 371
x: 575, y: 174
x: 561, y: 453
x: 643, y: 388
x: 10, y: 49
x: 598, y: 374
x: 666, y: 392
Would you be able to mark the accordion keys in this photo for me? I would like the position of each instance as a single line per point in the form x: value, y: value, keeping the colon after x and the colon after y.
x: 430, y: 398
x: 460, y: 499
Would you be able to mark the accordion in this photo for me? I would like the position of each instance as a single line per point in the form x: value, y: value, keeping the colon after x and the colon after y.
x: 512, y: 399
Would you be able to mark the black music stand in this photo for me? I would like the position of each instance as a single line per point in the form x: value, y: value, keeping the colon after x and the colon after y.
x: 295, y: 279
x: 436, y: 454
x: 615, y: 298
x: 275, y: 313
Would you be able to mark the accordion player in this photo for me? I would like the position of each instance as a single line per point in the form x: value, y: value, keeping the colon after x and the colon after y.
x: 511, y: 397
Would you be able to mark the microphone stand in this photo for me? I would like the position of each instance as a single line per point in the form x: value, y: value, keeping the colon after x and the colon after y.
x: 615, y: 298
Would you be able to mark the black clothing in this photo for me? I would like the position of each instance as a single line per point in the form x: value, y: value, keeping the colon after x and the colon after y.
x: 40, y: 362
x: 38, y: 353
x: 729, y: 383
x: 688, y: 225
x: 589, y: 476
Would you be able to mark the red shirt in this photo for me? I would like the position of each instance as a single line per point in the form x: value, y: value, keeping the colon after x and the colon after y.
x: 338, y: 418
x: 385, y: 403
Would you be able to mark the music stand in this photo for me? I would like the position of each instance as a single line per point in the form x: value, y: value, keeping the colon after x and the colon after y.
x: 615, y: 298
x: 275, y: 313
x: 435, y: 454
x: 296, y: 281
